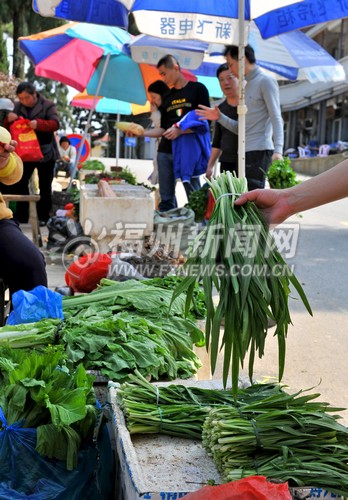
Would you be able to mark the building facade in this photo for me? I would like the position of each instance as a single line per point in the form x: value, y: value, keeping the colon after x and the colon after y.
x: 318, y: 111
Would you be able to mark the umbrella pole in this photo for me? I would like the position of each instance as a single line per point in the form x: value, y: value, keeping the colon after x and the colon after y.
x: 117, y: 140
x: 85, y: 132
x: 241, y: 104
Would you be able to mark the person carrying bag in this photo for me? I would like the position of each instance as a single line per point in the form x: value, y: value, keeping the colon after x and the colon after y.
x: 28, y: 147
x: 42, y: 117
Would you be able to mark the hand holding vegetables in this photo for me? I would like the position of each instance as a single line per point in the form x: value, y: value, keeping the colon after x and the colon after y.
x: 5, y: 137
x: 278, y: 205
x: 236, y: 254
x: 5, y: 142
x: 7, y: 146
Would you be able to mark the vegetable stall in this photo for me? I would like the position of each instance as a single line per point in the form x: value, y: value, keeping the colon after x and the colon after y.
x: 138, y: 334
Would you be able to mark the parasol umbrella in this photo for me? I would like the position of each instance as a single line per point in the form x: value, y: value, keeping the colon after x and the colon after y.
x: 211, y: 21
x: 87, y: 56
x: 106, y: 12
x: 219, y: 21
x: 78, y: 54
x: 220, y: 17
x: 292, y: 56
x: 107, y: 105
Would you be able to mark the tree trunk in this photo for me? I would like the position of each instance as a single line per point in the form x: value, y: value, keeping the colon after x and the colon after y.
x: 19, y: 29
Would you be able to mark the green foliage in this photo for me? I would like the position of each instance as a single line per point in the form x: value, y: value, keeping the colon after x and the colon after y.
x: 123, y: 175
x: 39, y: 391
x: 281, y: 175
x: 3, y: 53
x: 93, y: 165
x: 198, y: 201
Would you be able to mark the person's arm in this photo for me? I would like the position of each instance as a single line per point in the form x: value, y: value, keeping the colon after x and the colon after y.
x: 73, y: 154
x: 279, y: 204
x: 215, y: 114
x: 214, y: 155
x: 270, y: 93
x: 50, y: 122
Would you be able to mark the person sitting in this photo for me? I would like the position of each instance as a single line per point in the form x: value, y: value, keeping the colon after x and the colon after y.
x: 22, y: 265
x: 67, y: 157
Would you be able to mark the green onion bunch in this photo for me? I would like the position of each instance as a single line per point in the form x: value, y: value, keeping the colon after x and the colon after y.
x: 177, y: 409
x: 296, y: 441
x: 236, y: 254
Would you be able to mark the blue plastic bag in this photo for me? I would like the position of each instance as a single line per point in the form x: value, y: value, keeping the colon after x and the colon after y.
x: 26, y: 475
x: 38, y: 303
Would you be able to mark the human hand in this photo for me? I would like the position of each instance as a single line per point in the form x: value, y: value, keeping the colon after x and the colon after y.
x: 206, y: 113
x: 172, y: 133
x: 209, y: 171
x: 153, y: 107
x: 277, y: 156
x: 5, y: 153
x: 12, y: 117
x: 273, y: 203
x: 33, y: 124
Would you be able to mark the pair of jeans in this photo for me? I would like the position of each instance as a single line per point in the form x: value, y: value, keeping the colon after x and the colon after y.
x: 257, y: 164
x: 192, y: 185
x: 166, y: 181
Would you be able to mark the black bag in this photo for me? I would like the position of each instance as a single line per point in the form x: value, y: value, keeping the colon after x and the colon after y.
x: 64, y: 230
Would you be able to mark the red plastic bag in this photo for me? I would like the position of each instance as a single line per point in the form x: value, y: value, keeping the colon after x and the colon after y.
x: 28, y: 147
x: 210, y: 206
x: 248, y: 488
x: 85, y: 273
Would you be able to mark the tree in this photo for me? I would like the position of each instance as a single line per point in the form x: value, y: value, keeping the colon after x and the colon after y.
x: 19, y: 20
x: 3, y: 53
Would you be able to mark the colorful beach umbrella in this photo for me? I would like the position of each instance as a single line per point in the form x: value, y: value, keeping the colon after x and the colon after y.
x: 107, y: 105
x: 90, y: 56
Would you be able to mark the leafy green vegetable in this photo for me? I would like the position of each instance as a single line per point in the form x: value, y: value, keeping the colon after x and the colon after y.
x: 253, y: 281
x: 38, y: 391
x: 198, y: 308
x: 93, y: 165
x: 129, y: 294
x: 198, y: 201
x: 36, y: 334
x: 281, y: 175
x: 283, y: 437
x: 117, y: 344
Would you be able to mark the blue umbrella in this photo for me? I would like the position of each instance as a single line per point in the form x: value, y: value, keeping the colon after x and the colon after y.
x: 177, y: 18
x: 107, y: 12
x: 220, y: 21
x: 292, y: 56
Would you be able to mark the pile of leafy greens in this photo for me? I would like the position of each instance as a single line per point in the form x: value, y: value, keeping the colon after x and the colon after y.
x: 120, y: 327
x: 129, y: 325
x: 38, y: 391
